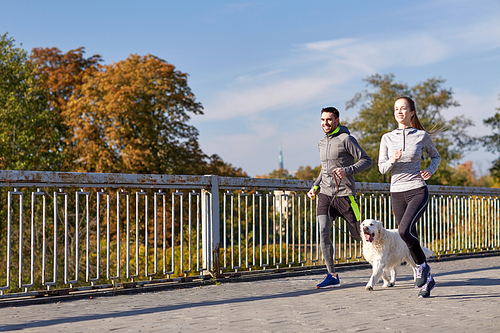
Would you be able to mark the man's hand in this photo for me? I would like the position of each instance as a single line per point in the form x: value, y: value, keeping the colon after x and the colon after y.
x: 312, y: 193
x: 339, y: 172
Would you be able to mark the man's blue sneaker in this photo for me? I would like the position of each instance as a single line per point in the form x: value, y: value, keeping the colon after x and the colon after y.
x: 329, y: 282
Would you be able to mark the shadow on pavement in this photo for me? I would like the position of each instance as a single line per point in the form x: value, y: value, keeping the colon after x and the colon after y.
x: 50, y: 322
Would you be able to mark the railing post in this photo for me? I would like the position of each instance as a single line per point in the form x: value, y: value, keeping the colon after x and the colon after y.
x: 210, y: 227
x: 215, y: 227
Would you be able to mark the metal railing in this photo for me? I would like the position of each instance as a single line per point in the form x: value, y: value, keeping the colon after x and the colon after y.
x: 82, y: 231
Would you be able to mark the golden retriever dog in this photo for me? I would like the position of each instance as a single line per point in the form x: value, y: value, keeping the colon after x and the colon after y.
x: 385, y: 251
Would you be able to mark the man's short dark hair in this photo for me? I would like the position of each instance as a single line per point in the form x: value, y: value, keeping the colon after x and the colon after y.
x: 333, y: 110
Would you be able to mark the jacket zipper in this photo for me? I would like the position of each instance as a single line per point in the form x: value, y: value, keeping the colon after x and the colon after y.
x: 404, y: 140
x: 327, y: 154
x: 328, y: 146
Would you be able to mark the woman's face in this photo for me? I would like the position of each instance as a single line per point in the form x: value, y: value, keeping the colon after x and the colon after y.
x: 402, y: 113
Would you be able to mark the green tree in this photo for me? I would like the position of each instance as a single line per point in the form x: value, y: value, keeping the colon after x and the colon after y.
x: 376, y: 117
x: 30, y: 136
x: 492, y: 142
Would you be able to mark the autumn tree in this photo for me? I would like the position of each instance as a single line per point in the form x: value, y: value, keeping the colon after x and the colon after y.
x: 30, y: 134
x: 465, y: 175
x: 376, y: 117
x: 308, y: 173
x: 131, y: 116
x: 303, y: 173
x: 276, y: 174
x: 216, y: 166
x: 62, y: 75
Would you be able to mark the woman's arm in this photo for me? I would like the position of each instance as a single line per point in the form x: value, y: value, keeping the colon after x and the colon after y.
x: 385, y: 163
x: 431, y: 150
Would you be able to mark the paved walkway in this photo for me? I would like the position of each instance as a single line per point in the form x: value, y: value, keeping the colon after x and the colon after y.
x: 466, y: 299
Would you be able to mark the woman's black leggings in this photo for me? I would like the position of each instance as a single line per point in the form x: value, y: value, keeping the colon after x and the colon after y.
x: 408, y: 208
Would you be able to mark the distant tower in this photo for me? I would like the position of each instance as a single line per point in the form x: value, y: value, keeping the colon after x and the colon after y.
x: 281, y: 159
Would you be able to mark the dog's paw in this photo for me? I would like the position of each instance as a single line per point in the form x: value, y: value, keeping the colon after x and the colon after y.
x: 369, y: 288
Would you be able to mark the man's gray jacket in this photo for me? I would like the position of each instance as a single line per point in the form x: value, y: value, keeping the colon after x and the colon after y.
x: 340, y: 150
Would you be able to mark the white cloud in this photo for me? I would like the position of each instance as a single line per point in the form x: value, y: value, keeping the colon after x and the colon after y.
x: 484, y: 34
x: 329, y: 44
x: 244, y: 149
x: 280, y: 94
x: 423, y: 49
x: 258, y: 77
x: 324, y: 67
x: 332, y: 70
x: 477, y: 108
x: 319, y: 67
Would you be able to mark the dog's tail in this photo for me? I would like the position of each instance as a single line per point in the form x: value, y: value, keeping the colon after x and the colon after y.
x: 428, y: 253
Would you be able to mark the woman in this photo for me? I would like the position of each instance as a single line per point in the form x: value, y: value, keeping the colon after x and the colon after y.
x: 401, y: 152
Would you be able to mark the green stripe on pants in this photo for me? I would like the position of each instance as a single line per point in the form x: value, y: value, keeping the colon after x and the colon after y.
x: 355, y: 208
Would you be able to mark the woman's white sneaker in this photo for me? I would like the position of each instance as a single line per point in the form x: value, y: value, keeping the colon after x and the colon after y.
x: 427, y: 287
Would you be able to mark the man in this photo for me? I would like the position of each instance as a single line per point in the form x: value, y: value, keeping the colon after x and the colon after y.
x: 338, y: 152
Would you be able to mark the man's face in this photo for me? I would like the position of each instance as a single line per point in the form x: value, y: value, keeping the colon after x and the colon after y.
x: 329, y: 122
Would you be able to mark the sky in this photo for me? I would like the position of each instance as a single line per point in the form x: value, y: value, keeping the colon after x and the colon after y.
x: 263, y: 70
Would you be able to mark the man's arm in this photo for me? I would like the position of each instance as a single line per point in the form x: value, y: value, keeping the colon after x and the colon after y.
x: 363, y: 160
x: 312, y: 192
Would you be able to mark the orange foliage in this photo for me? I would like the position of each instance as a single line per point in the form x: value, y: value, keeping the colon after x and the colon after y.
x: 131, y: 117
x: 63, y: 74
x: 128, y: 117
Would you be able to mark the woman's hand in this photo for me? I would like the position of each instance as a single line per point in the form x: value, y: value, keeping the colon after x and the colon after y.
x: 425, y: 174
x: 397, y: 154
